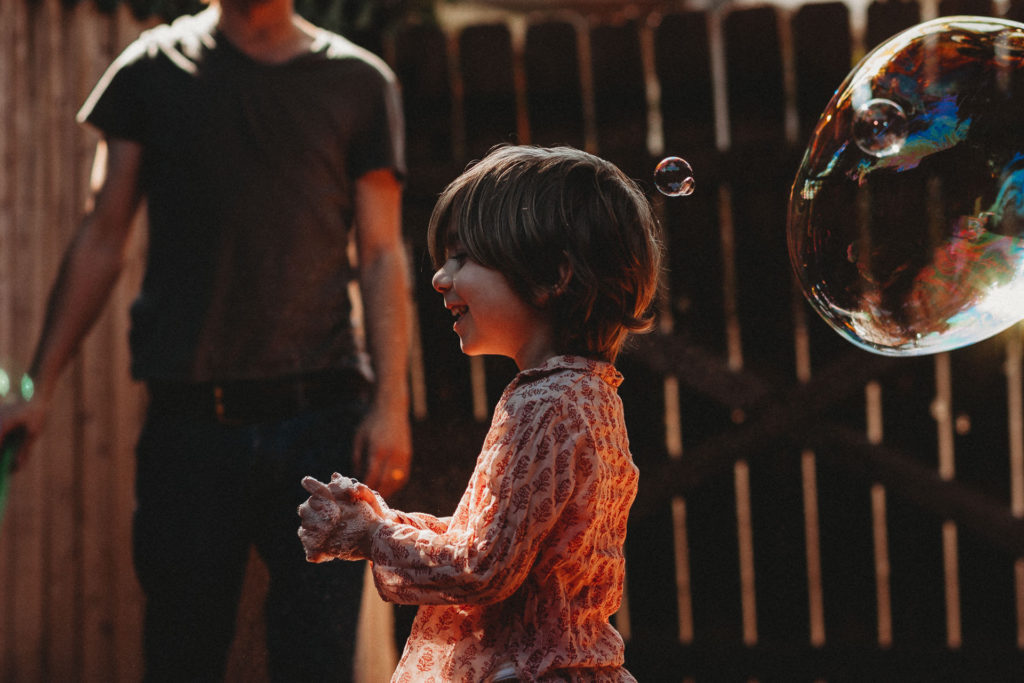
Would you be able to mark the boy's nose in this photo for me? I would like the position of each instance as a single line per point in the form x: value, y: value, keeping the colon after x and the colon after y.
x: 441, y: 281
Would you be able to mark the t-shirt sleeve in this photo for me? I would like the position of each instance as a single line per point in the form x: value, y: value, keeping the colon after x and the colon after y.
x: 383, y: 143
x: 114, y: 106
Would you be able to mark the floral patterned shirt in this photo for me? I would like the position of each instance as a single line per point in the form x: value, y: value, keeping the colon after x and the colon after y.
x: 530, y: 567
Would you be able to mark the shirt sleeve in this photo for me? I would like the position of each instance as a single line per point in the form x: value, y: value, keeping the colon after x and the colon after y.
x: 382, y: 143
x: 419, y: 520
x: 521, y: 485
x: 114, y: 106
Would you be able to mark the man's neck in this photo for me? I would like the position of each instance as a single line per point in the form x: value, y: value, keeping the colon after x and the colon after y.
x: 268, y: 31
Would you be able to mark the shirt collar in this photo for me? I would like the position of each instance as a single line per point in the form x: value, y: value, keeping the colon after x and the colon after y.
x: 603, y: 369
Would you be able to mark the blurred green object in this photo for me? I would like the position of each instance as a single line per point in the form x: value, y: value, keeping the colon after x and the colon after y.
x: 8, y: 449
x: 12, y: 389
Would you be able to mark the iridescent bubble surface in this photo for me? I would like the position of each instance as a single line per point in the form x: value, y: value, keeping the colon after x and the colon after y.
x: 673, y: 177
x: 906, y: 217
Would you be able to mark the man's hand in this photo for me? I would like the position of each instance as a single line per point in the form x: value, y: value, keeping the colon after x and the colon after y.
x: 338, y: 520
x: 24, y: 421
x: 383, y: 451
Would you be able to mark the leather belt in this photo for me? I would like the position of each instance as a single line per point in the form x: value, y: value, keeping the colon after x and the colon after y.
x: 240, y: 402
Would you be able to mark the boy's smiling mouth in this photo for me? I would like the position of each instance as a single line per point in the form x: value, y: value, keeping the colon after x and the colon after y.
x: 458, y: 311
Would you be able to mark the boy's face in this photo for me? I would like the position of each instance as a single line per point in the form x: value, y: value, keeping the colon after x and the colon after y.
x: 490, y: 318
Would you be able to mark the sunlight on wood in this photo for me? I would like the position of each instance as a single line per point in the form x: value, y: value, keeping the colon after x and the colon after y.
x: 1015, y: 416
x: 745, y: 533
x: 376, y: 654
x: 812, y: 534
x: 681, y: 545
x: 942, y: 414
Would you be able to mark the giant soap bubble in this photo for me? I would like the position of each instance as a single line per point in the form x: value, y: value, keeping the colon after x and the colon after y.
x: 906, y: 218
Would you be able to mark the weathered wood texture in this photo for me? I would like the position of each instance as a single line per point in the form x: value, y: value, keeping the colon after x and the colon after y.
x: 794, y: 522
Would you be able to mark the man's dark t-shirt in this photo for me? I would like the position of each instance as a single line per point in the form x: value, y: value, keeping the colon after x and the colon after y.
x: 248, y: 172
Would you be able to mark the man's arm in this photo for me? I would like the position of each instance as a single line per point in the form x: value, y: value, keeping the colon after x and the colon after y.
x: 89, y: 270
x: 383, y: 447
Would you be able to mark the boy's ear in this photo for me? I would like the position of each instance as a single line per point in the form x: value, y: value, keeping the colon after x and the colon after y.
x: 564, y: 276
x: 558, y: 289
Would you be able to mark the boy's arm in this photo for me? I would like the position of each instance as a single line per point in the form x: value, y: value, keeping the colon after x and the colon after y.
x: 89, y: 270
x: 340, y: 518
x: 486, y: 552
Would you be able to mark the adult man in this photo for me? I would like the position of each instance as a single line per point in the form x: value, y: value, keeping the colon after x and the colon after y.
x: 257, y: 140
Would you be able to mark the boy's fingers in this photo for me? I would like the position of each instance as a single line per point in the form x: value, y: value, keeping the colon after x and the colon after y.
x: 319, y: 503
x: 307, y: 514
x: 316, y: 487
x: 309, y: 543
x: 318, y: 509
x: 345, y: 492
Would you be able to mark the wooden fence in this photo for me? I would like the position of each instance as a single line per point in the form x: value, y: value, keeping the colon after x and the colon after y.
x: 807, y: 511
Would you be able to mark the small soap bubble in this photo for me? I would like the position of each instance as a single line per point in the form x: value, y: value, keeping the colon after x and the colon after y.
x: 906, y: 216
x: 880, y: 127
x: 673, y: 177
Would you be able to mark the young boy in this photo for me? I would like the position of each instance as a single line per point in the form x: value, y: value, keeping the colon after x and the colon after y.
x: 550, y: 257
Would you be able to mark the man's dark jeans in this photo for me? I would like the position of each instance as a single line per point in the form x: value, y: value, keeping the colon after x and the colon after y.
x: 206, y: 492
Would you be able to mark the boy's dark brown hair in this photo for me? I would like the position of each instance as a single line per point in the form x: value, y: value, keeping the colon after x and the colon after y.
x: 573, y: 236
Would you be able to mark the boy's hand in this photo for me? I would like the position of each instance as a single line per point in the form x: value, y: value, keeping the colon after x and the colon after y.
x: 337, y: 520
x: 348, y: 490
x: 22, y: 422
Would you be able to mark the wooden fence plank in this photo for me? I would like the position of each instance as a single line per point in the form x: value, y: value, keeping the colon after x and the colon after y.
x: 489, y: 117
x: 1015, y: 10
x: 822, y: 47
x: 694, y: 304
x: 682, y: 58
x: 761, y: 170
x: 767, y: 492
x: 1014, y: 371
x: 421, y: 63
x: 446, y: 447
x: 10, y: 26
x: 620, y: 96
x: 108, y: 493
x: 420, y: 59
x: 981, y: 440
x: 94, y: 435
x: 27, y: 507
x: 63, y: 642
x: 488, y: 90
x: 619, y: 73
x: 984, y: 8
x: 682, y: 65
x: 886, y: 18
x: 554, y: 86
x: 754, y: 78
x: 128, y: 411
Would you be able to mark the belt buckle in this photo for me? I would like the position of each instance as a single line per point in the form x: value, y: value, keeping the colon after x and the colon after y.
x: 219, y: 410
